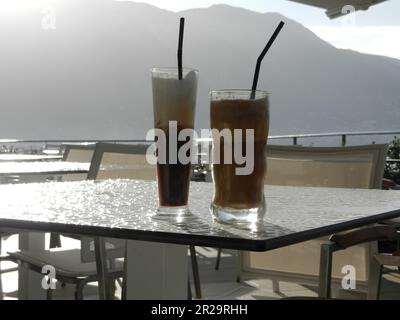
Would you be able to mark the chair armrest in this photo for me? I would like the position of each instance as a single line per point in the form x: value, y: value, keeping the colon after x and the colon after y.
x: 388, y: 184
x: 375, y: 233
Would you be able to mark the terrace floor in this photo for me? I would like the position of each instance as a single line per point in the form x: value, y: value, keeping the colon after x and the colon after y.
x: 219, y: 284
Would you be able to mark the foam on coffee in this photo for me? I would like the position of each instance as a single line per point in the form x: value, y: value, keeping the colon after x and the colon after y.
x: 174, y: 100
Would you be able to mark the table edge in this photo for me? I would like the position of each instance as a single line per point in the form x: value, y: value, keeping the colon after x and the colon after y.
x: 196, y: 239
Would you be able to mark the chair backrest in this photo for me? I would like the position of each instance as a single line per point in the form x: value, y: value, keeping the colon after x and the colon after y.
x: 343, y: 167
x: 116, y: 161
x: 78, y: 152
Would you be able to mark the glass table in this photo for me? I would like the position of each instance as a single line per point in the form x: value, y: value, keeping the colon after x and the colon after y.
x: 28, y: 157
x: 125, y: 209
x: 41, y: 171
x: 43, y: 168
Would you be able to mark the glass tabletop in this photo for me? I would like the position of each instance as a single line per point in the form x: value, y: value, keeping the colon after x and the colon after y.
x: 43, y: 167
x: 126, y: 209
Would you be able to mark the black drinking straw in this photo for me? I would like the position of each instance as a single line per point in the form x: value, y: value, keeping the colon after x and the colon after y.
x: 180, y: 45
x: 261, y: 57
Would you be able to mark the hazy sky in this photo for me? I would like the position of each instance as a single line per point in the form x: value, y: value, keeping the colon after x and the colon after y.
x: 376, y: 31
x: 383, y: 14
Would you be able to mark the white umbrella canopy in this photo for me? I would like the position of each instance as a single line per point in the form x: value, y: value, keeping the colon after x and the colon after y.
x: 337, y: 8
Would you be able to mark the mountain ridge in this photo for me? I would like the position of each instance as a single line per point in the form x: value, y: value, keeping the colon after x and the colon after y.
x: 90, y: 78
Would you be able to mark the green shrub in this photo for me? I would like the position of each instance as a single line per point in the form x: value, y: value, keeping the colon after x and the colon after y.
x: 394, y: 149
x: 392, y: 170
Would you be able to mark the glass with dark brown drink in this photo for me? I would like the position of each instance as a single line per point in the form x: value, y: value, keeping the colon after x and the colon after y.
x: 240, y: 124
x: 174, y: 104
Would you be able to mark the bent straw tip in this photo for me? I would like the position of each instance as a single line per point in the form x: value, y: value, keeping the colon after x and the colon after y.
x: 262, y: 55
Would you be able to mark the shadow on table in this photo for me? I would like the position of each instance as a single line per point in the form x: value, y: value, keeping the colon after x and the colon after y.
x: 195, y: 225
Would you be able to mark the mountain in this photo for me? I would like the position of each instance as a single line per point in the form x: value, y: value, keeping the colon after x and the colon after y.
x: 89, y: 77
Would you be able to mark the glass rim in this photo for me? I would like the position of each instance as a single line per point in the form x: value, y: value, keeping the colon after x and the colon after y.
x: 171, y: 69
x: 239, y: 91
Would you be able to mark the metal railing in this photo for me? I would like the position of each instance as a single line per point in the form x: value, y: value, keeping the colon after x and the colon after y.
x: 343, y: 135
x: 294, y: 137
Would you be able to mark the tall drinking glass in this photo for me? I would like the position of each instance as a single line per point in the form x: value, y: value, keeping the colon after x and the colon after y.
x: 240, y: 124
x: 174, y: 103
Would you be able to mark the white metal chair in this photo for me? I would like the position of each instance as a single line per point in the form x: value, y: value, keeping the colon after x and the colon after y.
x: 81, y: 266
x: 345, y: 167
x: 377, y: 263
x: 71, y: 153
x: 69, y: 267
x: 110, y: 161
x: 346, y: 240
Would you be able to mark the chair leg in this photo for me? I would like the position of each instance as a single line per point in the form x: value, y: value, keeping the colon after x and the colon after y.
x: 239, y: 266
x: 275, y: 286
x: 1, y: 271
x: 325, y: 270
x: 112, y: 288
x: 80, y: 285
x: 374, y: 281
x: 195, y: 269
x: 190, y: 296
x: 1, y: 281
x: 79, y: 290
x: 112, y: 282
x: 218, y: 259
x: 49, y: 294
x: 124, y: 292
x: 101, y: 266
x: 120, y: 282
x: 55, y: 240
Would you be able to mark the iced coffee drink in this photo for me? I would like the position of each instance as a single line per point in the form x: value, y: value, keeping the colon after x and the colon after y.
x: 174, y: 104
x: 239, y: 195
